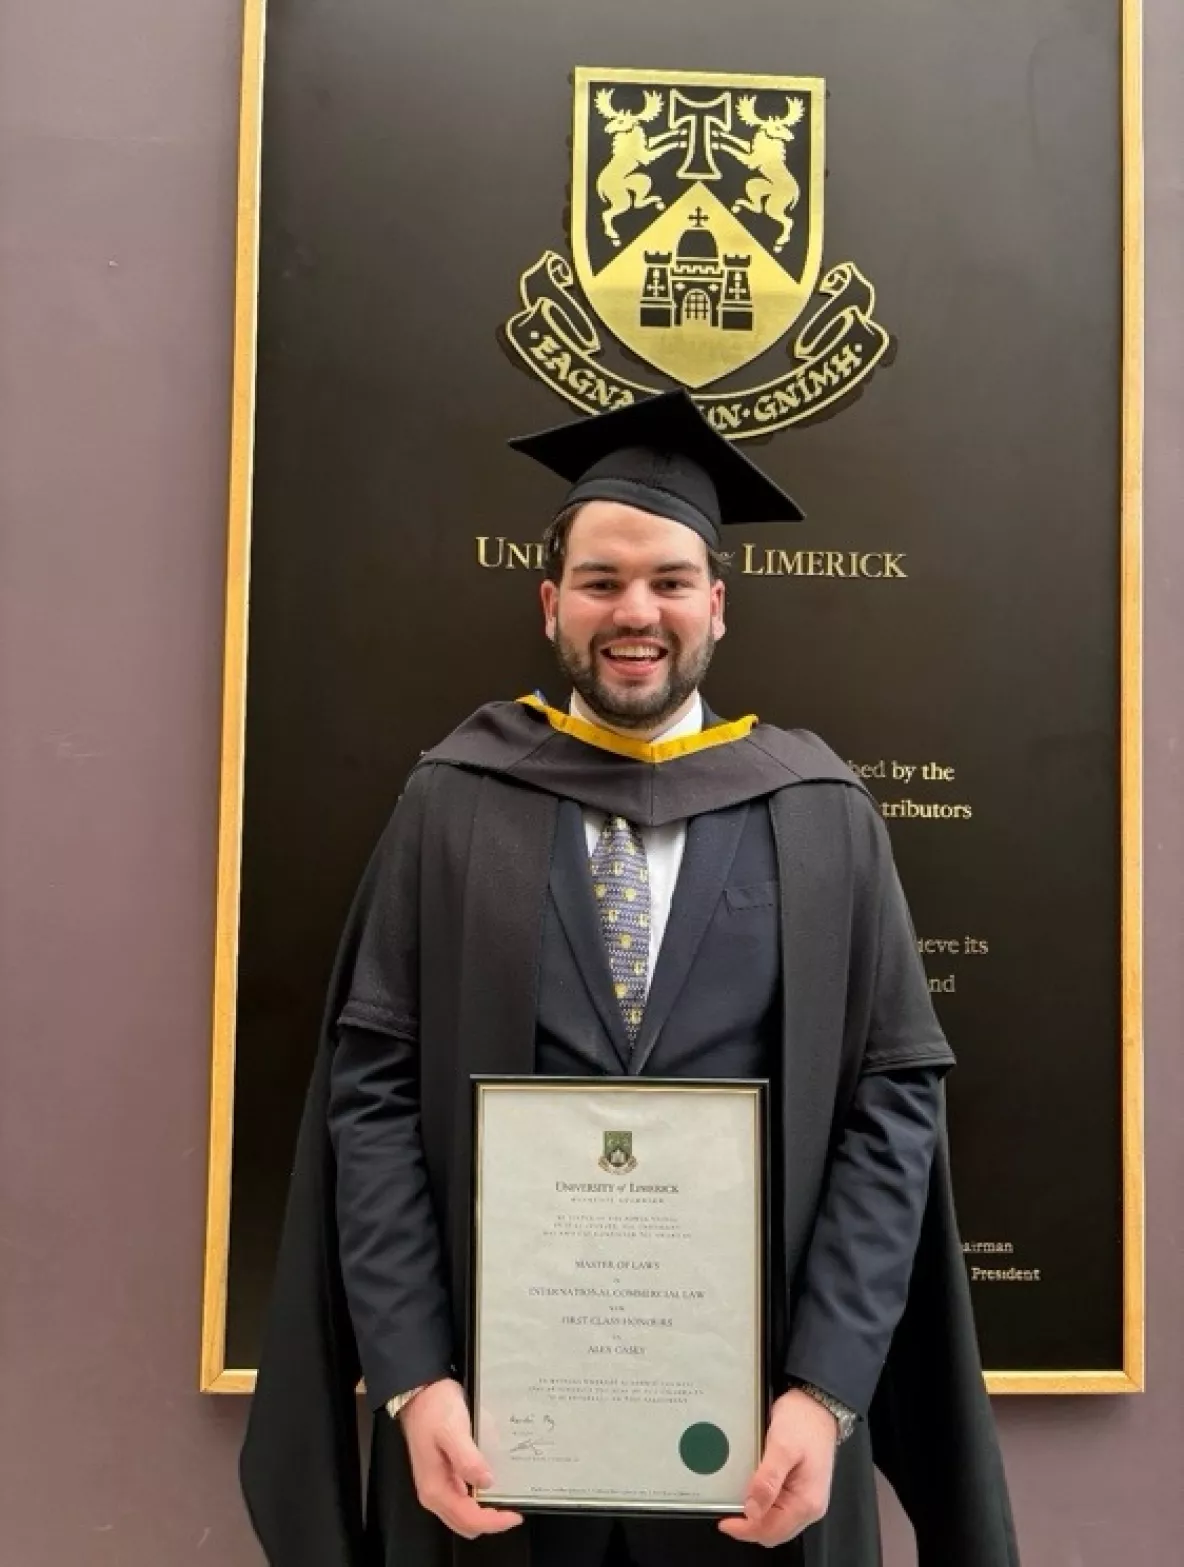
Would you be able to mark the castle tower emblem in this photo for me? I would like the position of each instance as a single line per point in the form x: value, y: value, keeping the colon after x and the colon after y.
x: 693, y: 285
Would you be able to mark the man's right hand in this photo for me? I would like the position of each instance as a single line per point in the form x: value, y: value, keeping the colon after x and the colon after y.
x: 445, y: 1461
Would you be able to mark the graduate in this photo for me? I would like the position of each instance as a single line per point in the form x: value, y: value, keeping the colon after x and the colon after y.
x: 759, y: 931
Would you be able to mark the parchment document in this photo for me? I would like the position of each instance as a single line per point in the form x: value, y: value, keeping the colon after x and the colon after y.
x: 618, y: 1294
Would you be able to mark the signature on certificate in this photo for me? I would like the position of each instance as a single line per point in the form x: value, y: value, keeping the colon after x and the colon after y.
x: 536, y: 1444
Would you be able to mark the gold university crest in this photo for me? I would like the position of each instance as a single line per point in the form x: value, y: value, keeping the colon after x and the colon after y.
x: 697, y: 212
x: 697, y: 241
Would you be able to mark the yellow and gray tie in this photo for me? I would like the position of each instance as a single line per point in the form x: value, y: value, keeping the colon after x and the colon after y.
x: 621, y: 882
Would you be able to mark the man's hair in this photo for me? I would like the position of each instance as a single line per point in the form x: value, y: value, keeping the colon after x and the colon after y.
x: 555, y: 547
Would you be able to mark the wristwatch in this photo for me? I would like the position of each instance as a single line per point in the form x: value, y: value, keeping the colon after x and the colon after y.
x: 401, y: 1400
x: 846, y: 1419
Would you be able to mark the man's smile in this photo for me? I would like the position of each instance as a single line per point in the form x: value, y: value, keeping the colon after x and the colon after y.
x: 633, y: 657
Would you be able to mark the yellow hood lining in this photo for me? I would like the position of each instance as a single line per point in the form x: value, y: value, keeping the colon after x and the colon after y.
x: 641, y: 750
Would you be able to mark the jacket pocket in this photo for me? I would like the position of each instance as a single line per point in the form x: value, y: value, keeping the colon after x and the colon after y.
x: 755, y: 895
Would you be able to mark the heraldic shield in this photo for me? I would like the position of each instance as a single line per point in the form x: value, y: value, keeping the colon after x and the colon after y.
x: 697, y: 211
x: 618, y: 1153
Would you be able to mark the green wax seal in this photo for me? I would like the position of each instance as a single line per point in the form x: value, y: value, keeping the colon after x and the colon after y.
x: 703, y: 1448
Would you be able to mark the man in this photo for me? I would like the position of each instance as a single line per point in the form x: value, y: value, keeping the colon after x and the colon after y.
x: 772, y: 942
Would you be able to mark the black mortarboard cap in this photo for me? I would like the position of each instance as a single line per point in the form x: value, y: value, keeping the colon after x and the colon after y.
x: 662, y: 456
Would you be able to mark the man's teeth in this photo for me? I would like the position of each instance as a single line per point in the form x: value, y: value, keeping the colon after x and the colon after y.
x: 649, y: 654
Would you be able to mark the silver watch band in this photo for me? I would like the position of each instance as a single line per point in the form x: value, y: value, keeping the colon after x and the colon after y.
x: 401, y: 1400
x: 846, y: 1419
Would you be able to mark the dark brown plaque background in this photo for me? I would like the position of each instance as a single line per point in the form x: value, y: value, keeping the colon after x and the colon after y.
x: 415, y: 162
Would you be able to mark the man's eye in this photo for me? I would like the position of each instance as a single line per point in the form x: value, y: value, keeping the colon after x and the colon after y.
x: 600, y: 587
x: 673, y: 585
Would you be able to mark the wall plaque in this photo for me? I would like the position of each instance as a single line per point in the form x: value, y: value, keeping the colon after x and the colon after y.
x: 903, y: 255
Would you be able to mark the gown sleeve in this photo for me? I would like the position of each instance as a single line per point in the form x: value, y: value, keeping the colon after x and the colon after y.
x: 857, y: 1268
x: 389, y: 1237
x: 391, y: 1261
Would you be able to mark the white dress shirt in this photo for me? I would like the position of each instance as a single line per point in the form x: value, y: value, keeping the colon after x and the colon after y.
x: 663, y: 845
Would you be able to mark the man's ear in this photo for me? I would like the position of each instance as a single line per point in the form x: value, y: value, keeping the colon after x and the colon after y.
x: 718, y: 596
x: 549, y: 594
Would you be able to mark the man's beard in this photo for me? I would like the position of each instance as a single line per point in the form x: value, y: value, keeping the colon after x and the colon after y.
x: 625, y: 709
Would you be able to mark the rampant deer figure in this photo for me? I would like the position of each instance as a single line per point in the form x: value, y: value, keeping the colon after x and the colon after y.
x: 774, y: 191
x: 620, y: 185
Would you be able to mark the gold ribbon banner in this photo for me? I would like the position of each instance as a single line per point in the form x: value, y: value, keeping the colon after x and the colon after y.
x: 836, y: 349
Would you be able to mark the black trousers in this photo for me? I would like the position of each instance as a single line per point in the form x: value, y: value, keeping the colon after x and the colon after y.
x: 616, y: 1553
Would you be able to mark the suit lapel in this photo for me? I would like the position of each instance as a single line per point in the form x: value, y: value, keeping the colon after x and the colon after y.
x: 571, y: 890
x: 711, y: 846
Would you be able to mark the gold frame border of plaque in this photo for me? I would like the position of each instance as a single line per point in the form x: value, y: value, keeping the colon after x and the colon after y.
x: 562, y: 1371
x: 216, y: 1375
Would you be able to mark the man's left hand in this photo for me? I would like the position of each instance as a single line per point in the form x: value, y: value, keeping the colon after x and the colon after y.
x: 791, y: 1488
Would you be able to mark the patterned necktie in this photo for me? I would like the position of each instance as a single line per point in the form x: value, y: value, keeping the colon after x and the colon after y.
x: 621, y: 882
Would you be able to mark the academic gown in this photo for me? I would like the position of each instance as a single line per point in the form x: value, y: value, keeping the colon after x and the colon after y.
x: 480, y: 810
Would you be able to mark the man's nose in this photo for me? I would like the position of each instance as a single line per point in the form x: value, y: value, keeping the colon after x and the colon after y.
x: 636, y: 607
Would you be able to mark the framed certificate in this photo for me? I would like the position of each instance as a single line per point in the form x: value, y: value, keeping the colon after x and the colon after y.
x: 617, y: 1340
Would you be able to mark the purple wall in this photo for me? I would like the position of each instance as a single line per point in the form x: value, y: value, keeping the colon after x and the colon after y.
x: 117, y: 141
